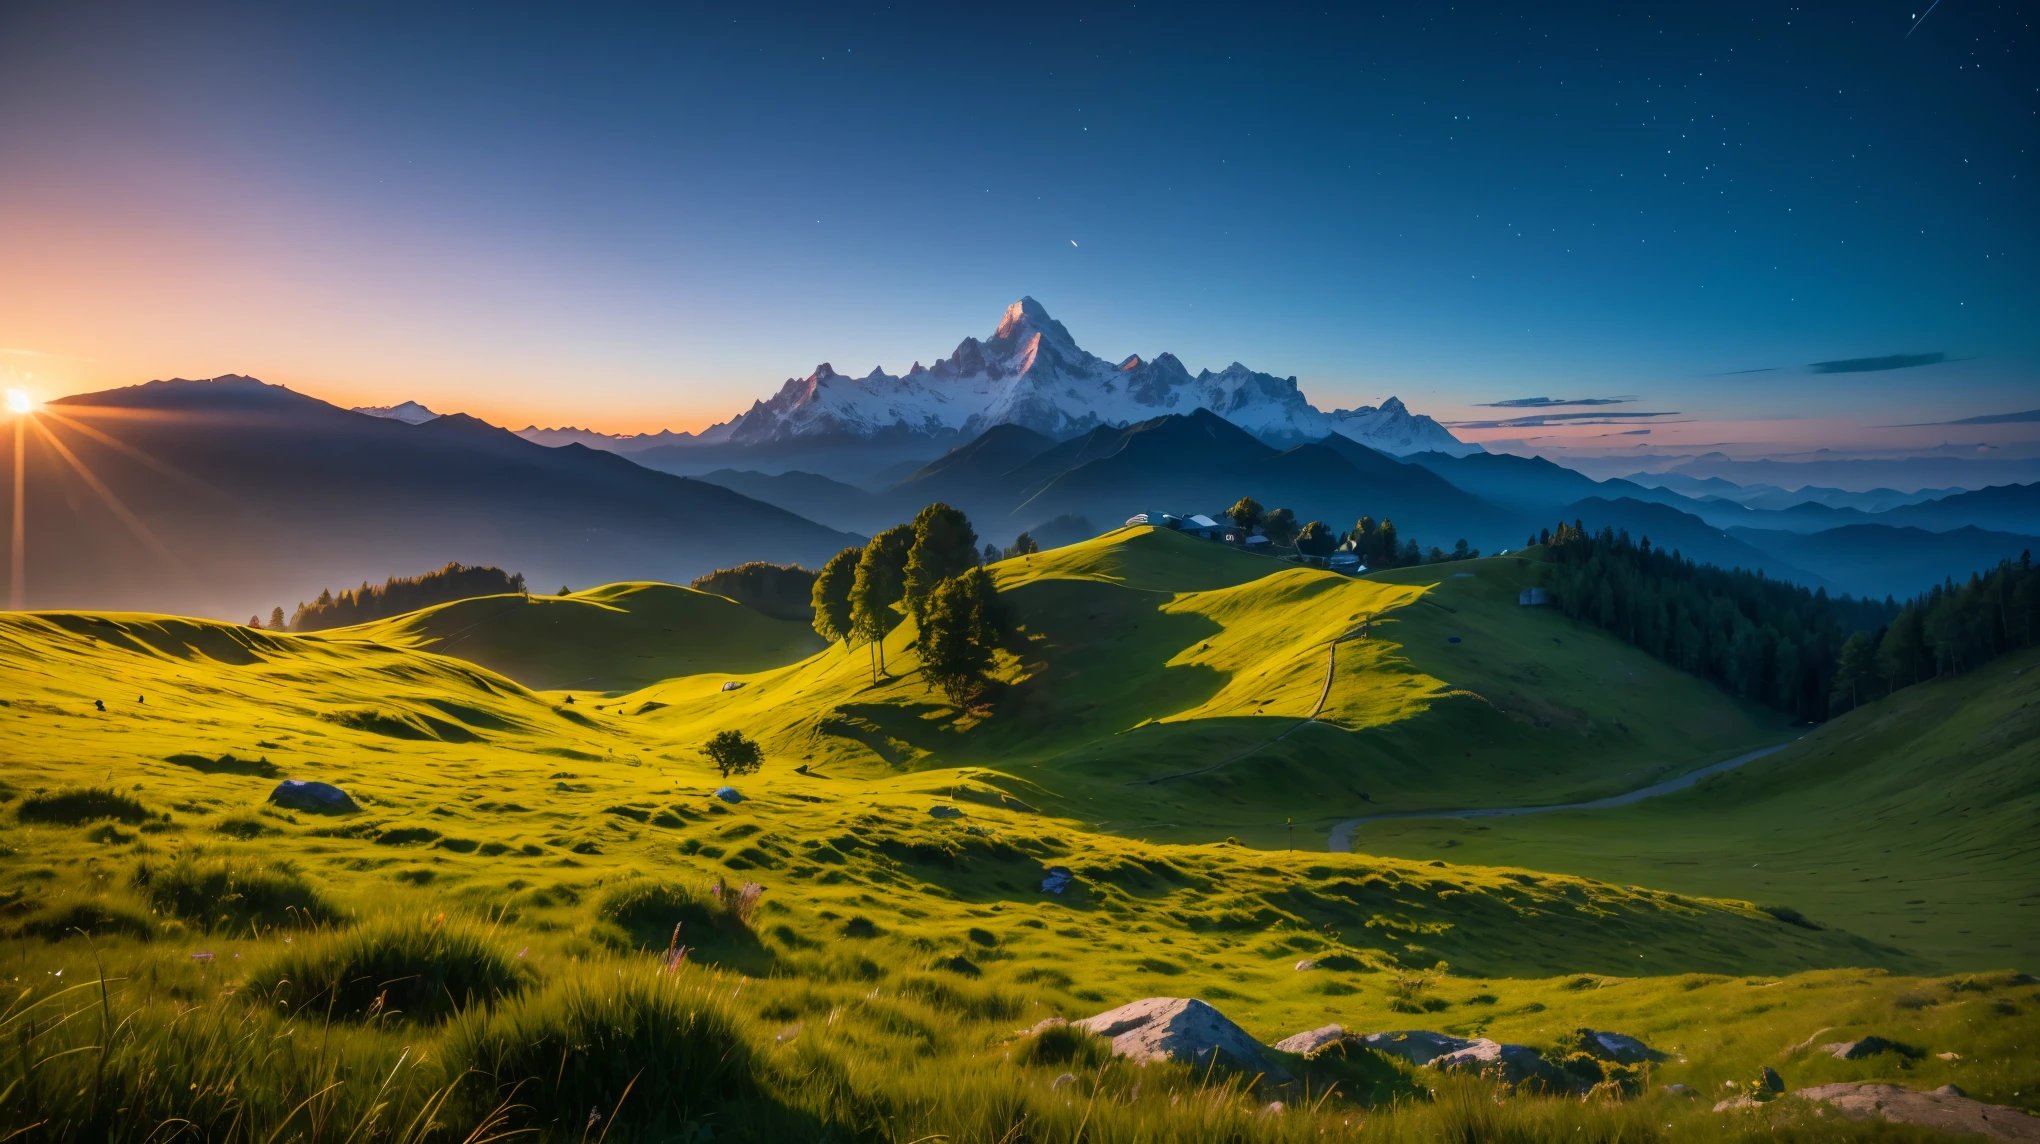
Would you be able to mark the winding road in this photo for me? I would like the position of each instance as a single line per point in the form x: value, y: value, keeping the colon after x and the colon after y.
x: 1341, y: 841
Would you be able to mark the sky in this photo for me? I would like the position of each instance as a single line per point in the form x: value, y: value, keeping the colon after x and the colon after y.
x: 633, y: 217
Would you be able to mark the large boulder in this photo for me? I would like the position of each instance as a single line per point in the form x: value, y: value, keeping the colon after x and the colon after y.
x: 1181, y: 1029
x: 1865, y: 1047
x: 1312, y: 1041
x: 1511, y: 1064
x: 1417, y: 1046
x: 1617, y: 1047
x: 1944, y: 1110
x: 312, y: 797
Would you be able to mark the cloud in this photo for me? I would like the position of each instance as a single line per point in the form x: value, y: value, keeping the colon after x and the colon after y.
x: 1546, y: 420
x: 1874, y: 364
x: 1987, y: 419
x: 1552, y: 402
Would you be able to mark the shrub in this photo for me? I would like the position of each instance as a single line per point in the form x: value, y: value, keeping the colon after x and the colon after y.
x: 93, y: 918
x: 715, y: 921
x: 1064, y: 1045
x: 419, y: 971
x: 582, y: 1042
x: 75, y: 806
x: 232, y: 893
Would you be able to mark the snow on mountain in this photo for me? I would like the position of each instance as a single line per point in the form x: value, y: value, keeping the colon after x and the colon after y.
x: 410, y: 412
x: 1031, y: 372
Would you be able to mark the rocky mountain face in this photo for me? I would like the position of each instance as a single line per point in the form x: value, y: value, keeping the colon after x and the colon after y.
x: 1031, y: 372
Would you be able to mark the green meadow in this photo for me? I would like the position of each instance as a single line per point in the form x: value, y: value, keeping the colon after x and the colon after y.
x: 492, y: 943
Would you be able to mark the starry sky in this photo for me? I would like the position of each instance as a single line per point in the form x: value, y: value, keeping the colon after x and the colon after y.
x: 1781, y: 226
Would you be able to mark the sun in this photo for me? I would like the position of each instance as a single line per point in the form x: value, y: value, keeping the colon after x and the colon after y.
x: 19, y: 402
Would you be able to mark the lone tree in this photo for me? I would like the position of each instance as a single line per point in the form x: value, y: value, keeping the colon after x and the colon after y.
x: 733, y: 754
x: 963, y: 627
x: 880, y: 583
x: 1279, y: 526
x: 991, y: 554
x: 1316, y: 540
x: 1245, y: 513
x: 944, y: 546
x: 832, y: 594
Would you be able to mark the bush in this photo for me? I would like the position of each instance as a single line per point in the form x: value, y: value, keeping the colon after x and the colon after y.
x: 233, y: 893
x: 715, y: 921
x: 1064, y: 1045
x: 93, y: 918
x: 417, y: 971
x: 582, y: 1042
x: 73, y: 807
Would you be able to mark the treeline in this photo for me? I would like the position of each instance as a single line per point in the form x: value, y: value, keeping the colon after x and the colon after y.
x: 1951, y: 629
x: 782, y: 591
x: 398, y: 595
x: 930, y: 569
x: 1766, y: 640
x: 1376, y: 544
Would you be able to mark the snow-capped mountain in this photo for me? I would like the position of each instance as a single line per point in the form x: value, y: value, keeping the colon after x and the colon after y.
x: 1031, y: 372
x: 410, y: 412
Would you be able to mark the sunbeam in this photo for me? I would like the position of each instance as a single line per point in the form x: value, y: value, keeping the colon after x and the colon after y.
x: 137, y: 454
x: 127, y: 517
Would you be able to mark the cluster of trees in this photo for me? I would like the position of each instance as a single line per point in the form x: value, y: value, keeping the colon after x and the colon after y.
x: 931, y: 569
x: 1023, y: 545
x: 1765, y: 640
x: 783, y: 591
x: 1949, y: 630
x: 1377, y: 545
x: 399, y: 595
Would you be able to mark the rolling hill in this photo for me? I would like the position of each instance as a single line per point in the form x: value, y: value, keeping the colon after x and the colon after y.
x: 229, y: 497
x: 617, y: 637
x: 1668, y: 528
x: 1878, y: 560
x: 1908, y: 821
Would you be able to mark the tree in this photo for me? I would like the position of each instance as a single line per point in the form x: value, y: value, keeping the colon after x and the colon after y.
x: 733, y: 754
x: 276, y: 619
x: 944, y: 546
x: 1461, y: 552
x: 832, y: 594
x: 991, y: 553
x: 782, y: 591
x: 1023, y: 545
x: 1316, y: 540
x: 880, y: 583
x: 1279, y: 526
x: 963, y: 626
x: 566, y: 591
x: 255, y: 621
x: 1245, y: 514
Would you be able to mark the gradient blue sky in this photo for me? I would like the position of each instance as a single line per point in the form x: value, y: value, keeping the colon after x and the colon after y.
x: 630, y: 217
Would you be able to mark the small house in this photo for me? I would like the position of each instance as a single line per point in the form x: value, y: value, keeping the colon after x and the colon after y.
x: 1202, y: 526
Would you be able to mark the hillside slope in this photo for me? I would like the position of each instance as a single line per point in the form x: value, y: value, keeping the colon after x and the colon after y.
x: 1909, y: 820
x: 1163, y: 684
x: 616, y: 637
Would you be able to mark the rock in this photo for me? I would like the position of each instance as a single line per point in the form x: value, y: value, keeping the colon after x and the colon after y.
x: 940, y: 810
x: 1274, y: 1108
x: 1514, y: 1063
x: 732, y: 685
x: 728, y: 794
x: 317, y: 798
x: 1770, y: 1080
x: 1947, y: 1090
x: 1312, y: 1041
x: 1059, y: 879
x: 1417, y: 1046
x: 1866, y: 1047
x: 1045, y: 1024
x: 1618, y: 1047
x: 801, y: 769
x: 1180, y: 1029
x: 1949, y: 1056
x: 1305, y: 964
x: 1939, y: 1110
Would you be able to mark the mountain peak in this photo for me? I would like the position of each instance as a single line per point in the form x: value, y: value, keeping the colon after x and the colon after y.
x: 410, y: 412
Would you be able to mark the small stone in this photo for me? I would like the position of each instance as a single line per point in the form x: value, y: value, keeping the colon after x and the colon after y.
x: 1273, y: 1108
x: 1312, y: 1041
x: 943, y: 810
x: 1045, y: 1024
x: 315, y: 798
x: 1772, y: 1082
x: 1858, y: 1049
x: 1949, y: 1056
x: 1059, y: 879
x: 1306, y: 963
x: 732, y: 685
x: 728, y: 794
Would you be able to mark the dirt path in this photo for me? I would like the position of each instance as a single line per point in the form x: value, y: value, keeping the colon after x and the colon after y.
x: 1341, y: 840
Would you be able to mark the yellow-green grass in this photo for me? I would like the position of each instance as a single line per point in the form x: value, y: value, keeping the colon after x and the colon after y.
x: 1914, y: 820
x: 894, y: 953
x: 1144, y: 654
x: 615, y: 637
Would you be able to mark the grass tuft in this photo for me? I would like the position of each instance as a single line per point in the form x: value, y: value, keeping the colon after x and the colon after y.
x: 230, y: 894
x: 76, y: 806
x: 406, y: 970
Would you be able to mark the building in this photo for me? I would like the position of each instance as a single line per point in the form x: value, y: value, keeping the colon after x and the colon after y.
x: 1204, y: 527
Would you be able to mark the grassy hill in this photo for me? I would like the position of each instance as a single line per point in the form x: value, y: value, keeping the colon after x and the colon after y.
x: 532, y: 859
x: 616, y: 637
x: 1144, y: 654
x: 1909, y: 820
